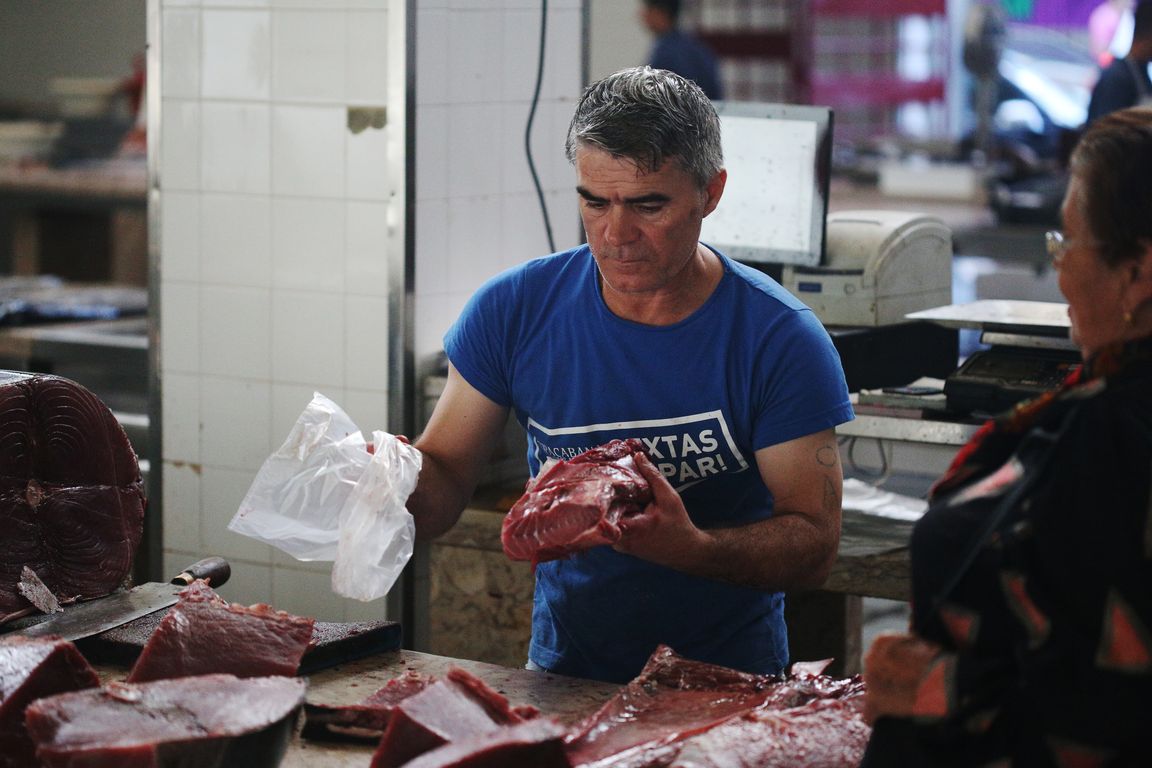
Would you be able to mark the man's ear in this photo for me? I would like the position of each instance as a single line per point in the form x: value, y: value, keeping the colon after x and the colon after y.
x: 714, y: 190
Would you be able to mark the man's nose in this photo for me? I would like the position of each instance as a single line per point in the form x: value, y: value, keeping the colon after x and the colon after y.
x: 619, y: 229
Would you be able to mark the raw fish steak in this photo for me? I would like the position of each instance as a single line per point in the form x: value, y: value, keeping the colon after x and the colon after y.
x: 577, y: 504
x: 71, y: 496
x: 204, y: 634
x: 460, y: 706
x: 674, y: 699
x: 211, y: 720
x: 536, y: 743
x: 31, y: 668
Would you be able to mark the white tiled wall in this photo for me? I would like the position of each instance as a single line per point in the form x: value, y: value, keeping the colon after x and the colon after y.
x: 274, y: 256
x: 278, y: 224
x: 476, y: 208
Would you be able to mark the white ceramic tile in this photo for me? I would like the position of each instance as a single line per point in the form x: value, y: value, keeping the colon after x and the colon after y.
x: 516, y: 175
x: 308, y: 151
x: 432, y: 65
x: 563, y: 58
x: 367, y: 249
x: 235, y: 331
x: 180, y: 54
x: 366, y: 339
x: 436, y: 314
x: 566, y: 230
x: 474, y: 133
x: 432, y: 151
x: 180, y: 414
x: 431, y: 247
x: 308, y: 332
x: 251, y: 583
x: 369, y: 407
x: 524, y: 236
x: 180, y: 235
x: 235, y: 56
x: 367, y: 57
x: 221, y: 491
x: 180, y: 144
x: 236, y: 416
x: 474, y: 242
x: 237, y: 239
x: 308, y: 244
x: 308, y: 55
x: 306, y: 593
x: 236, y: 150
x: 518, y: 62
x: 368, y: 175
x: 235, y: 3
x: 167, y: 3
x: 179, y: 327
x: 475, y: 38
x: 182, y: 507
x: 563, y: 175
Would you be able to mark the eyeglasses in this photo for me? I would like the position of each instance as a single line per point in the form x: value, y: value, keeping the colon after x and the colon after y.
x: 1056, y: 246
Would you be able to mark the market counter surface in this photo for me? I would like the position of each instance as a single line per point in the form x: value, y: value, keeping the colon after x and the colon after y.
x: 566, y: 699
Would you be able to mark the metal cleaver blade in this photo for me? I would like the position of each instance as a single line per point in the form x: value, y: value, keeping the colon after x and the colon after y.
x: 104, y: 613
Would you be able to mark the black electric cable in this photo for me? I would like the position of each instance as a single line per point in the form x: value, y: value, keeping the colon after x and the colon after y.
x: 528, y: 128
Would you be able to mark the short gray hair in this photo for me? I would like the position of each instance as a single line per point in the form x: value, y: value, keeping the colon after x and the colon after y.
x: 647, y: 116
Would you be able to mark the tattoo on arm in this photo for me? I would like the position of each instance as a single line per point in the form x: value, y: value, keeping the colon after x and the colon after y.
x: 831, y: 498
x: 827, y: 456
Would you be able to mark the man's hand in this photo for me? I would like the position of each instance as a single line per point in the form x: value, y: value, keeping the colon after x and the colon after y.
x: 663, y: 533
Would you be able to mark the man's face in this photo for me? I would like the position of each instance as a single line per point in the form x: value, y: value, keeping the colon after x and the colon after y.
x: 643, y: 228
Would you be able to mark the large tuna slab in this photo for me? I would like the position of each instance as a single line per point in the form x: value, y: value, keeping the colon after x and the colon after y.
x: 577, y: 504
x: 212, y: 720
x: 204, y: 634
x: 675, y: 699
x: 459, y: 706
x: 32, y: 668
x: 71, y: 496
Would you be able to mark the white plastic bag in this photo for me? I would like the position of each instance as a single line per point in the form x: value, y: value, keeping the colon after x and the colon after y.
x: 323, y: 496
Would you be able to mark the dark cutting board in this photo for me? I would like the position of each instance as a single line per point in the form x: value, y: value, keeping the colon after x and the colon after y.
x: 332, y: 642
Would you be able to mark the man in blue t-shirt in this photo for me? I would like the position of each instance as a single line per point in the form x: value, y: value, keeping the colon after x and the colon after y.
x: 644, y: 332
x: 677, y: 51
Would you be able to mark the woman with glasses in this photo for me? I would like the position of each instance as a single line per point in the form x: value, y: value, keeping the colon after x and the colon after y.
x: 1031, y: 630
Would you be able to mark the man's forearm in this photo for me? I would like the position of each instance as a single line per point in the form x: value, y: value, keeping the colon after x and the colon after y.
x: 438, y: 500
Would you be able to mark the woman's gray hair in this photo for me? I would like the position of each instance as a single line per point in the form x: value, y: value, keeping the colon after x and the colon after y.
x: 1113, y: 160
x: 648, y: 116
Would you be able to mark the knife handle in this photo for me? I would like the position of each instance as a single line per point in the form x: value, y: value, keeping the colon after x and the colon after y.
x: 214, y: 570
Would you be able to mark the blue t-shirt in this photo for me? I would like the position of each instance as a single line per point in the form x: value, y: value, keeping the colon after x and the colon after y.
x: 749, y: 369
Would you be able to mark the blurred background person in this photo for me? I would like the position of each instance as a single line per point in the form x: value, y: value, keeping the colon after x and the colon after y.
x: 677, y: 51
x: 1125, y: 82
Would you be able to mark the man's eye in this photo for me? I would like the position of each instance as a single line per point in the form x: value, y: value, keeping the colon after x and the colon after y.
x: 649, y: 208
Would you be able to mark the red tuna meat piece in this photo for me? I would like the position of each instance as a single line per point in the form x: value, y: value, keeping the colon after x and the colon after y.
x: 367, y: 720
x: 204, y: 634
x: 32, y: 668
x: 674, y: 698
x: 71, y: 495
x: 211, y: 720
x: 457, y: 707
x: 824, y: 733
x: 577, y: 504
x: 533, y: 744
